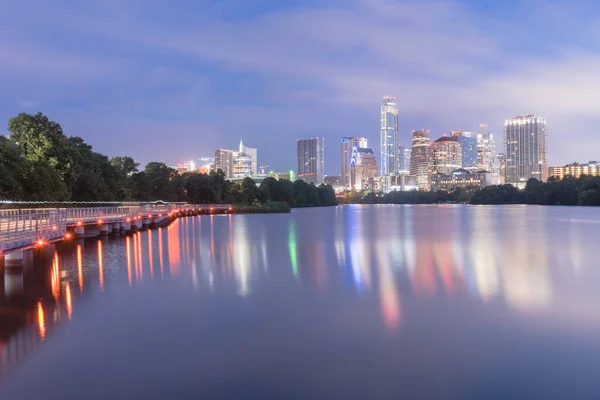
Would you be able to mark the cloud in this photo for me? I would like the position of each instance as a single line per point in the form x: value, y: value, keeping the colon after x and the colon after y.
x: 271, y: 76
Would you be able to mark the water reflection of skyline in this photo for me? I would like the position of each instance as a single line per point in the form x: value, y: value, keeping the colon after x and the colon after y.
x: 391, y: 255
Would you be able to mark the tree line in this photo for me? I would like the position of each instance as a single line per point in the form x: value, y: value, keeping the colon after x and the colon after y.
x: 569, y: 191
x: 38, y: 162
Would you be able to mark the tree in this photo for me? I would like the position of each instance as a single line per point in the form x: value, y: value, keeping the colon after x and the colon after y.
x: 250, y: 191
x: 12, y: 166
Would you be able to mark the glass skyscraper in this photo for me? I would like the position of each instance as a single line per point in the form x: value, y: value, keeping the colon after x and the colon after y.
x: 468, y: 145
x: 526, y: 145
x: 311, y: 166
x: 389, y: 137
x: 420, y: 158
x: 403, y: 160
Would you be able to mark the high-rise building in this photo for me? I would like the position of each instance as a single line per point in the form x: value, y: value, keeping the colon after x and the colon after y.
x: 250, y: 152
x: 363, y: 165
x: 501, y: 168
x: 576, y: 170
x: 389, y: 137
x: 468, y: 144
x: 403, y: 160
x: 526, y: 145
x: 224, y: 162
x: 420, y: 158
x: 446, y: 155
x: 348, y: 143
x: 487, y: 159
x: 242, y: 165
x: 311, y: 165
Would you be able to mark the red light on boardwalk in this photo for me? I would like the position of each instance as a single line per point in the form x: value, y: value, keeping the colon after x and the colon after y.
x: 40, y: 242
x: 78, y: 223
x: 54, y: 227
x: 159, y: 215
x: 230, y: 209
x: 100, y: 222
x: 128, y: 220
x: 68, y: 236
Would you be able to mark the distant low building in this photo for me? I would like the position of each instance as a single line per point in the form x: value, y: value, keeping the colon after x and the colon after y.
x: 460, y: 178
x: 290, y: 176
x: 335, y: 181
x: 388, y: 184
x: 592, y: 169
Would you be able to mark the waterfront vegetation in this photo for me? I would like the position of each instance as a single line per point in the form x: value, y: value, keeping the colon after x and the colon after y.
x: 38, y: 162
x: 569, y: 191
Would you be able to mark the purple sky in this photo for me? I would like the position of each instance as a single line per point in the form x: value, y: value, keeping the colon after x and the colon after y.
x: 173, y: 80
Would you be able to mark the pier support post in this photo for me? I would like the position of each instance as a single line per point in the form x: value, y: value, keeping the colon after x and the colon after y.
x: 116, y: 227
x: 104, y: 229
x: 14, y: 260
x: 79, y: 231
x: 125, y: 226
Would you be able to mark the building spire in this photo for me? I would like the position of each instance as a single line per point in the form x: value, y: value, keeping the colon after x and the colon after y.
x: 241, y: 146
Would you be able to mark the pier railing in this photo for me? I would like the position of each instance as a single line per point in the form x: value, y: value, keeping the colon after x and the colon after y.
x: 24, y: 226
x: 21, y: 229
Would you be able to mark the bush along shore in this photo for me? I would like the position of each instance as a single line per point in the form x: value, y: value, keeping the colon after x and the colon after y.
x: 39, y: 163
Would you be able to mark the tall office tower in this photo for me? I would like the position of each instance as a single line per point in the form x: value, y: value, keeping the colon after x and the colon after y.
x: 501, y: 168
x: 389, y: 137
x: 224, y: 162
x: 311, y: 166
x: 348, y: 143
x: 468, y: 144
x: 526, y: 145
x: 403, y: 160
x: 363, y: 165
x: 420, y: 158
x: 446, y: 155
x: 486, y: 149
x: 250, y: 152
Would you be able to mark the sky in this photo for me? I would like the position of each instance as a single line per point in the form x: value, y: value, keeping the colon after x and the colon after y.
x: 164, y: 80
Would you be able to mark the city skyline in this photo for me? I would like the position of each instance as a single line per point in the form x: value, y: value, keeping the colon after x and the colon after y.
x: 119, y: 84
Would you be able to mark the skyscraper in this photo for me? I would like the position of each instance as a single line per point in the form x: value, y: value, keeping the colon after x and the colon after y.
x: 468, y: 145
x: 348, y: 143
x: 311, y: 166
x: 446, y: 155
x: 486, y: 149
x: 526, y: 144
x: 487, y: 159
x: 224, y: 162
x: 403, y: 160
x: 250, y: 152
x: 363, y: 165
x: 389, y: 136
x: 420, y: 158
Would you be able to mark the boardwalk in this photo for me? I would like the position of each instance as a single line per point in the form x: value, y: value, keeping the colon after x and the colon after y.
x: 21, y: 229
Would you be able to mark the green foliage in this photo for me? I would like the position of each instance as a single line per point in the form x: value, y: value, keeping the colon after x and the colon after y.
x: 502, y: 194
x: 584, y: 191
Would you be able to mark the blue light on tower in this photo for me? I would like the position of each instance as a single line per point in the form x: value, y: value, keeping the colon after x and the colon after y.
x: 354, y: 157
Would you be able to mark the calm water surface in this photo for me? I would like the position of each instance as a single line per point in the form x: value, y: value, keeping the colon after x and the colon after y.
x: 344, y: 302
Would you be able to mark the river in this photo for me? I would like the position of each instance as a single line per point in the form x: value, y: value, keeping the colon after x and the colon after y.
x: 383, y: 301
